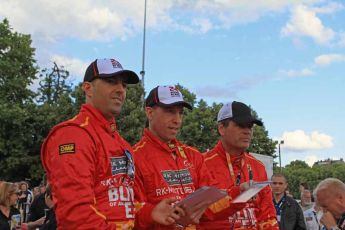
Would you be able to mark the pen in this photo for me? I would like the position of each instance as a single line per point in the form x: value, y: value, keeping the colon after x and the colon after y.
x: 250, y: 175
x: 238, y: 179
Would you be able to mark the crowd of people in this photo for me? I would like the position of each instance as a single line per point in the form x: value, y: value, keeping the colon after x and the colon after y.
x: 20, y: 208
x: 96, y: 180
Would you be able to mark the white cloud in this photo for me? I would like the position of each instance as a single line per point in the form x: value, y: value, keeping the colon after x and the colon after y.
x: 105, y: 20
x: 327, y: 59
x: 297, y: 73
x: 75, y: 66
x: 82, y: 19
x: 311, y: 159
x: 304, y: 22
x: 298, y: 141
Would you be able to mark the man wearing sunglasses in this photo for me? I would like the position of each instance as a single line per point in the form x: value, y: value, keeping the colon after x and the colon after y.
x: 88, y: 164
x: 167, y: 168
x: 231, y: 165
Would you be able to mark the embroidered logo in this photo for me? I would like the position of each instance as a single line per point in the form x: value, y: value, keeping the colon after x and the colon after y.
x: 118, y: 165
x: 177, y: 177
x: 67, y: 148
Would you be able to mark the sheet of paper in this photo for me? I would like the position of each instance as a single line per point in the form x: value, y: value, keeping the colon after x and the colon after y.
x: 251, y: 192
x: 204, y: 193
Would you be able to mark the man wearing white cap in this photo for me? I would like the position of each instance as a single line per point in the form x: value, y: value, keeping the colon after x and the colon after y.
x: 166, y: 168
x: 231, y: 165
x: 88, y: 164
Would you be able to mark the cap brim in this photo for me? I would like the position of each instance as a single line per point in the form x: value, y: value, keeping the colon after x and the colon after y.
x: 182, y: 103
x: 246, y: 120
x: 129, y: 77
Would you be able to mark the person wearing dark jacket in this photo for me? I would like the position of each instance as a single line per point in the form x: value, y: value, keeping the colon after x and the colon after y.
x: 289, y: 212
x: 37, y: 208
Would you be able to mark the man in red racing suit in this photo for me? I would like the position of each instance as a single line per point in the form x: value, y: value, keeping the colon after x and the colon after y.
x: 88, y: 164
x: 167, y: 168
x: 230, y: 165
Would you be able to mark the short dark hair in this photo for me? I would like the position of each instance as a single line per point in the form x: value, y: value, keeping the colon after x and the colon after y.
x: 304, y: 184
x: 225, y: 122
x: 279, y: 175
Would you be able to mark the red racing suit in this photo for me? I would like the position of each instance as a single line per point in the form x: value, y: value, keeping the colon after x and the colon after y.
x: 86, y: 166
x: 260, y: 212
x: 159, y: 175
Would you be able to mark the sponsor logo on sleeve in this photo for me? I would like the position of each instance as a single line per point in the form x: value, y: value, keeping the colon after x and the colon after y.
x: 67, y: 148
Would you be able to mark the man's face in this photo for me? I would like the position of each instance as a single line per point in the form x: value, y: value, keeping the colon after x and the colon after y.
x: 278, y: 185
x: 332, y: 202
x: 236, y: 138
x: 306, y: 198
x: 165, y: 122
x: 106, y: 95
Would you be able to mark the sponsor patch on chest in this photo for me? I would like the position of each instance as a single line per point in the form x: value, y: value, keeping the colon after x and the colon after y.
x: 118, y: 165
x: 67, y: 148
x: 177, y: 177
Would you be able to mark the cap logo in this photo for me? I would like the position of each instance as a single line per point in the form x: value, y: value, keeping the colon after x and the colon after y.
x: 174, y: 92
x: 116, y: 64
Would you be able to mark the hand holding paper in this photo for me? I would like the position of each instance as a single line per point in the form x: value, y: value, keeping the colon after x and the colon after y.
x: 251, y: 192
x: 196, y: 203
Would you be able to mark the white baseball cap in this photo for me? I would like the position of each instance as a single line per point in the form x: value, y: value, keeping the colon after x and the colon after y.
x: 107, y: 68
x: 166, y: 96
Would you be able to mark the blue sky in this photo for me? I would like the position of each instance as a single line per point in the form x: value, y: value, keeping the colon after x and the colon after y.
x: 285, y: 58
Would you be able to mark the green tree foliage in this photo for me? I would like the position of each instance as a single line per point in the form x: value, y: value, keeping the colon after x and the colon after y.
x: 298, y: 171
x: 17, y: 72
x: 132, y: 119
x: 199, y: 127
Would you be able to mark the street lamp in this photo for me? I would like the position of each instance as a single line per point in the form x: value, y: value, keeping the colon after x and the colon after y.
x: 281, y: 142
x: 142, y: 72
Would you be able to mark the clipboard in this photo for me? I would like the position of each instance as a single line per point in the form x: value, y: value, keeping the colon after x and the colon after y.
x: 204, y: 193
x: 251, y: 192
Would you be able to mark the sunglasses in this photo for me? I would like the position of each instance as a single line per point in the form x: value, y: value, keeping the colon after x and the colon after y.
x: 130, y: 164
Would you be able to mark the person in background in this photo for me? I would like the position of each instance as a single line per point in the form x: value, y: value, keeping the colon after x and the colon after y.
x: 231, y: 164
x: 306, y: 197
x: 312, y: 217
x: 8, y: 198
x: 42, y: 188
x: 330, y: 196
x: 25, y: 199
x: 303, y: 186
x: 38, y: 206
x: 289, y: 212
x: 89, y: 165
x: 36, y: 192
x: 50, y: 219
x: 167, y: 168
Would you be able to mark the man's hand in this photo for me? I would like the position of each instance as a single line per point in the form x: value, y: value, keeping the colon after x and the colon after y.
x: 244, y: 186
x: 165, y: 213
x: 328, y: 220
x: 194, y: 213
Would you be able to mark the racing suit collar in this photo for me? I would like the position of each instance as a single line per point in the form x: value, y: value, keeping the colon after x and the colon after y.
x: 109, y: 126
x: 168, y: 147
